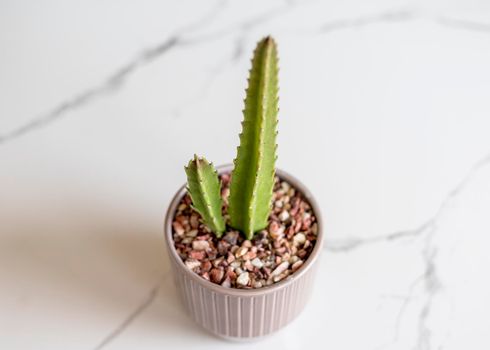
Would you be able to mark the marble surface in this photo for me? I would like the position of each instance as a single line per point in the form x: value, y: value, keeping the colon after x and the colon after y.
x: 385, y: 115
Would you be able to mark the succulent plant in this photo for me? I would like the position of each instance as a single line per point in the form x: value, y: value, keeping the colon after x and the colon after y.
x: 252, y: 178
x: 204, y: 188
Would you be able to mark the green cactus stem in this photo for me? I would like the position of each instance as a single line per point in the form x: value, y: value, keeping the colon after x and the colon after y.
x: 252, y: 178
x: 204, y: 188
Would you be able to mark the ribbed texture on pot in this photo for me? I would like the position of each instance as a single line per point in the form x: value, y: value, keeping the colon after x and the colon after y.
x: 233, y: 316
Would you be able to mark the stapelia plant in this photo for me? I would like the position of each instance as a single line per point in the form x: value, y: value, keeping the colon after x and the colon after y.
x: 252, y: 178
x: 204, y: 189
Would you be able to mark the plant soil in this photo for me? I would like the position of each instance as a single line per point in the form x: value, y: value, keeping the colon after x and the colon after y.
x: 234, y: 262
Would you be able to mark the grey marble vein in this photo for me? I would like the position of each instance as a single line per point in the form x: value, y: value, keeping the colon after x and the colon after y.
x: 432, y: 284
x: 464, y: 24
x: 147, y: 56
x: 146, y: 302
x: 365, y: 20
x: 401, y: 15
x: 350, y: 243
x: 119, y: 77
x: 114, y: 80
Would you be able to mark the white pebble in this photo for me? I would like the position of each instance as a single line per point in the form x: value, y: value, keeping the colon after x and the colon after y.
x: 191, y: 233
x: 257, y: 263
x: 243, y: 279
x: 284, y: 215
x: 297, y: 265
x: 200, y: 245
x: 299, y: 238
x: 280, y: 269
x: 285, y: 186
x: 279, y: 233
x: 192, y: 263
x: 235, y: 264
x: 241, y: 251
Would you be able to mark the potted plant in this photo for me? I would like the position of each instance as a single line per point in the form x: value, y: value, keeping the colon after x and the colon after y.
x: 244, y: 240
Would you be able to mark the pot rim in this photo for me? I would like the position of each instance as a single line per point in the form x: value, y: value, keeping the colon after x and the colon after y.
x: 308, y: 263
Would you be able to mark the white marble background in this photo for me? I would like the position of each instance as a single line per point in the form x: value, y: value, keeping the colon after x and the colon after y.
x: 385, y: 115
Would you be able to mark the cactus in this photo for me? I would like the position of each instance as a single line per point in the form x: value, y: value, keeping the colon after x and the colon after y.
x: 204, y: 188
x: 252, y: 179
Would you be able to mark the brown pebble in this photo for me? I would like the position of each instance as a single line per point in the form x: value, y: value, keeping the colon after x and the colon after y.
x: 247, y: 244
x: 194, y: 221
x: 178, y: 228
x: 231, y: 237
x: 241, y: 251
x: 223, y: 247
x: 206, y: 266
x: 230, y: 258
x: 301, y: 253
x: 216, y: 275
x: 217, y: 262
x: 231, y: 274
x: 248, y: 265
x: 249, y: 255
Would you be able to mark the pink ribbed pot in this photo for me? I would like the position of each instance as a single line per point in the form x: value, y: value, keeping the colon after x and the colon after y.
x: 241, y: 314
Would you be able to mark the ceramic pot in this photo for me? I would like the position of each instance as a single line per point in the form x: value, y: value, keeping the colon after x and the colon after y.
x: 242, y: 314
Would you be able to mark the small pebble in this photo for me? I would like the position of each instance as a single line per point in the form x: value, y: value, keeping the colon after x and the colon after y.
x: 247, y: 244
x: 241, y: 251
x: 194, y: 221
x: 181, y: 207
x: 249, y: 255
x: 284, y: 216
x: 178, y: 228
x: 216, y: 275
x: 191, y: 233
x: 197, y: 254
x: 248, y: 265
x: 281, y: 268
x: 206, y: 266
x: 297, y: 265
x: 285, y: 186
x: 243, y: 279
x: 257, y: 263
x: 235, y: 264
x: 231, y: 237
x: 227, y: 282
x: 299, y: 238
x: 192, y: 263
x: 200, y: 245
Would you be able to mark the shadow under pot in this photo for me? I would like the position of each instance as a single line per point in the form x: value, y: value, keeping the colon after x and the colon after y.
x: 247, y: 312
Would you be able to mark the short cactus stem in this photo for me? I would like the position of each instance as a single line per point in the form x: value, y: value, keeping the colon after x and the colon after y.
x: 204, y: 188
